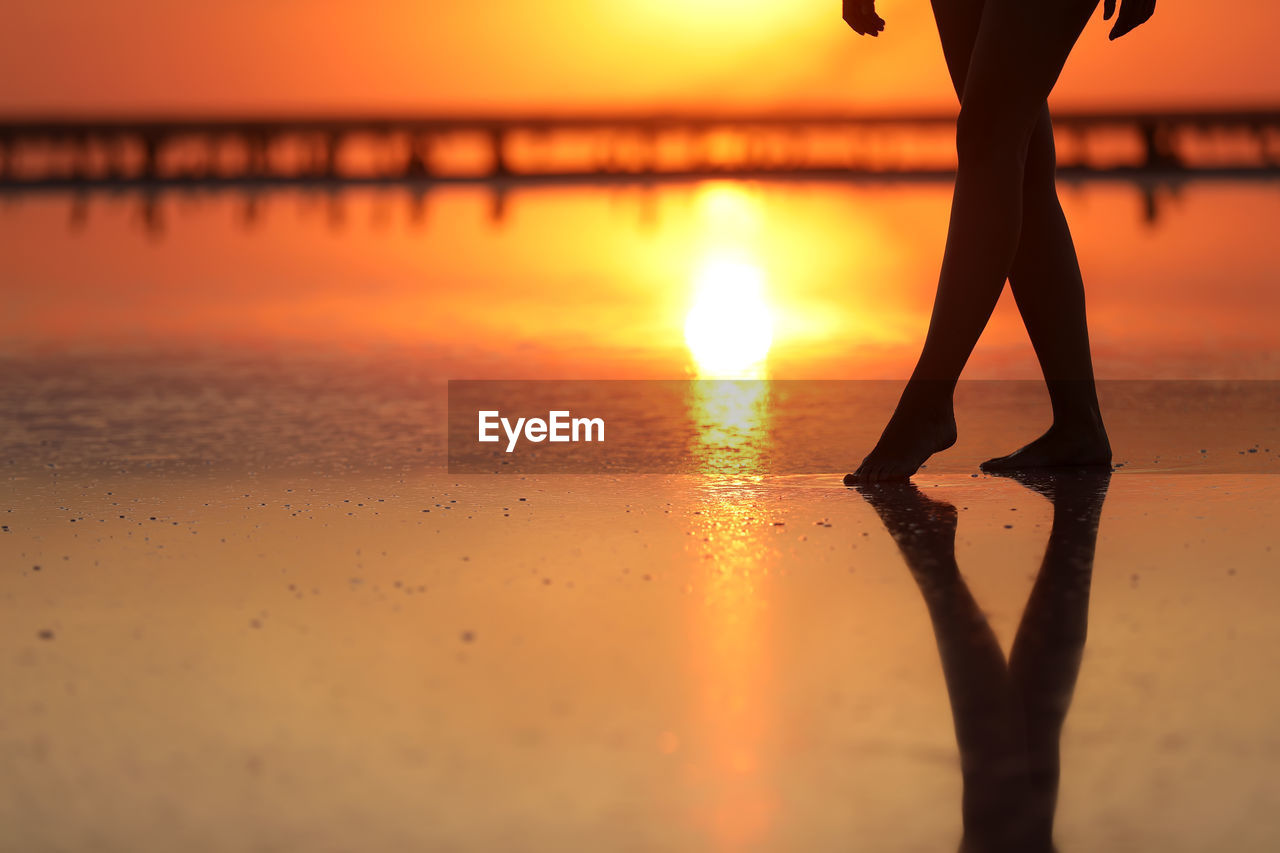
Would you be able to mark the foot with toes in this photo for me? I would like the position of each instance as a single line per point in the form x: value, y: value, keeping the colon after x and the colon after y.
x: 916, y: 431
x: 1060, y: 447
x: 920, y: 428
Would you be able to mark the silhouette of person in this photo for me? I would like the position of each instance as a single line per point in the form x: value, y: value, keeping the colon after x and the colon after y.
x: 1008, y: 716
x: 1004, y: 57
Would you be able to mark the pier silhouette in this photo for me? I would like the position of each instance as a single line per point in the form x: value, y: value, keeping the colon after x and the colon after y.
x: 59, y: 152
x: 1155, y: 151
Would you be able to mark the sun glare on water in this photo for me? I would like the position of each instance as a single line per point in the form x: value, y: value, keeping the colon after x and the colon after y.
x: 729, y: 329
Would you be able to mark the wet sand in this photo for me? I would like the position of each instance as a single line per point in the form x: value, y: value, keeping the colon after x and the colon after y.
x: 275, y: 650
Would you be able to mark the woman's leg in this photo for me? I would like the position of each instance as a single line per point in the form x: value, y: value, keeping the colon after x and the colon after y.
x: 1018, y: 52
x: 1045, y: 277
x: 1049, y: 291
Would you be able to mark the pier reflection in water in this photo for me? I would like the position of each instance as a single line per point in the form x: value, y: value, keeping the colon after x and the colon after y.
x: 602, y: 283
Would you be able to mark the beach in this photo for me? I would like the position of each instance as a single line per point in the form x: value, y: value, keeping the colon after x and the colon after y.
x: 558, y: 662
x: 233, y: 624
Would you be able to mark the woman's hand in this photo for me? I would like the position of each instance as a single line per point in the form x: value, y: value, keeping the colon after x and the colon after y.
x: 861, y: 15
x: 1132, y: 13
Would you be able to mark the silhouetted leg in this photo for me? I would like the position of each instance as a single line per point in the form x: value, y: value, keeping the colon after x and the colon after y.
x: 1019, y: 50
x: 1049, y: 291
x: 1045, y: 660
x: 1045, y: 278
x: 987, y: 713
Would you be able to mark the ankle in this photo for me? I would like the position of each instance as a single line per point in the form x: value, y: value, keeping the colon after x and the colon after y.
x: 929, y: 396
x: 1083, y: 422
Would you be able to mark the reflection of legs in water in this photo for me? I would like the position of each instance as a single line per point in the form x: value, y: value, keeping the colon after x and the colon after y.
x: 1046, y: 653
x: 988, y: 721
x: 1004, y: 57
x: 1008, y: 718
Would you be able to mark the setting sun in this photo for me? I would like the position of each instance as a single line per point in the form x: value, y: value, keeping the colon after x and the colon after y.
x: 729, y: 329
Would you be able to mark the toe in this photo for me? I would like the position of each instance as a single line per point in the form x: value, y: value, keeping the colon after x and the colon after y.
x: 996, y: 463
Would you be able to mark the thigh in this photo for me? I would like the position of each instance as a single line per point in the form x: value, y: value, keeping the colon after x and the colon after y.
x: 958, y: 22
x: 1018, y: 52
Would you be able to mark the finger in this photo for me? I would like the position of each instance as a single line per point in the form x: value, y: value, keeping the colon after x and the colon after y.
x: 1133, y: 13
x: 867, y: 12
x: 851, y: 14
x: 866, y: 25
x: 1108, y: 9
x: 1124, y: 23
x: 1124, y: 20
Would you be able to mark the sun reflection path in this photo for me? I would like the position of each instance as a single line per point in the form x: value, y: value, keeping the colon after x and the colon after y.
x: 729, y: 330
x: 731, y: 421
x: 731, y: 664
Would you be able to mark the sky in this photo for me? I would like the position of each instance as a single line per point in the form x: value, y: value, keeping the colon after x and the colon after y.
x: 86, y: 56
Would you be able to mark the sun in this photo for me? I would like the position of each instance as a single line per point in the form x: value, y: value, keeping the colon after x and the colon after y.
x: 729, y: 328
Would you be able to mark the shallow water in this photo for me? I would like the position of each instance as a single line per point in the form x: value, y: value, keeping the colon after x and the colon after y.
x: 597, y: 283
x: 245, y: 606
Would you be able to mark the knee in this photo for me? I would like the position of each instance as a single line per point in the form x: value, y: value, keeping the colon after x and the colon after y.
x: 1041, y: 161
x: 989, y: 135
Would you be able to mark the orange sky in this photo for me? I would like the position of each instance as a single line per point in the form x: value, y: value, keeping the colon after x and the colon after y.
x: 80, y: 55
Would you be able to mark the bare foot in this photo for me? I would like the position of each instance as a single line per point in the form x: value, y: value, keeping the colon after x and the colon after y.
x: 1060, y: 447
x: 913, y: 434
